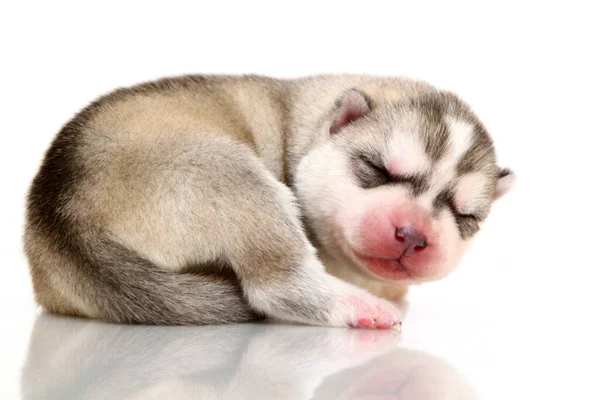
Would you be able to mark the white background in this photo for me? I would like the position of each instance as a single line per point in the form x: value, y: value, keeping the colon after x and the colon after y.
x: 527, y: 293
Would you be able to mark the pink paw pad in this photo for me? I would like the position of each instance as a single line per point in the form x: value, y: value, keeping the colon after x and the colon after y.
x: 365, y: 322
x: 372, y: 314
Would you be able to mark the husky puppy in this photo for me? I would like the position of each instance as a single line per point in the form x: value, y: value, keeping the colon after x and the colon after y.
x: 213, y: 199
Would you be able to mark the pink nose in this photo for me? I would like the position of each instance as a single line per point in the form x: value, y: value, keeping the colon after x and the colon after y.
x: 410, y: 241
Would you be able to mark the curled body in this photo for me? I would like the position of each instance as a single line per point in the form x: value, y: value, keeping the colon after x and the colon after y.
x: 216, y: 199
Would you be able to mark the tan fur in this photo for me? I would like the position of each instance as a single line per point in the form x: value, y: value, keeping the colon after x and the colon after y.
x: 189, y: 174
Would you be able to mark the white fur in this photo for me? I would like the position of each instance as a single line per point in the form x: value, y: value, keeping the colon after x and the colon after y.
x: 454, y: 246
x: 407, y: 151
x: 461, y: 133
x: 471, y: 192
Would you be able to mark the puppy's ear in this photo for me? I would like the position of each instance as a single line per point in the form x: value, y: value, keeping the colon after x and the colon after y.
x: 506, y: 180
x: 351, y: 106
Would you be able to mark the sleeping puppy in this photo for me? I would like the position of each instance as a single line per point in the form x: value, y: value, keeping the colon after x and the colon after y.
x: 213, y: 199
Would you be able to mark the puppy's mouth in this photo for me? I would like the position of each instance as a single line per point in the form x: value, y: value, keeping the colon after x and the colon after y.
x: 389, y: 269
x: 386, y: 269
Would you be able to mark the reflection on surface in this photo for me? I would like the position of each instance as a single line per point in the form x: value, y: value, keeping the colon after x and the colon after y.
x: 82, y: 359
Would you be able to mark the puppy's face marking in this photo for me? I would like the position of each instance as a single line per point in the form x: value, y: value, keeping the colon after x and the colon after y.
x: 399, y: 190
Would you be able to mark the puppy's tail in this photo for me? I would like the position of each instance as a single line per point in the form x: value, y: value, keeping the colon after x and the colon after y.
x: 103, y: 279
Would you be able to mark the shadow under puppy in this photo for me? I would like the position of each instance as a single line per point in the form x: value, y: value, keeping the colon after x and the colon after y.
x: 214, y: 199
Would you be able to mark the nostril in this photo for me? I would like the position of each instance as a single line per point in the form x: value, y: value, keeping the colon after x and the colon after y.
x: 411, y: 240
x: 420, y: 247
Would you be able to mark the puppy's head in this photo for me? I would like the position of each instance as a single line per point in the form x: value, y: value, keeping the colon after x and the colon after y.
x: 399, y: 189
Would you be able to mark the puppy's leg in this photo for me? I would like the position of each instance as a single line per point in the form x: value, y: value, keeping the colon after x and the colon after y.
x: 283, y: 278
x: 257, y: 229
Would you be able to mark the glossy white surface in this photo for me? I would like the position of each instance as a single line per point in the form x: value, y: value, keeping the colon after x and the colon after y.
x: 73, y: 359
x: 459, y: 347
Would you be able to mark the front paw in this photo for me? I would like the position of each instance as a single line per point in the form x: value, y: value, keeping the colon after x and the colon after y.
x: 363, y: 310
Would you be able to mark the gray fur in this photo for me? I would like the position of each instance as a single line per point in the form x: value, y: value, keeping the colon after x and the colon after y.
x: 165, y: 203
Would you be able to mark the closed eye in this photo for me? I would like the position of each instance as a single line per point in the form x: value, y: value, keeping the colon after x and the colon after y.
x: 463, y: 216
x: 445, y: 198
x: 466, y: 216
x: 371, y: 173
x: 383, y: 172
x: 473, y: 216
x: 418, y: 182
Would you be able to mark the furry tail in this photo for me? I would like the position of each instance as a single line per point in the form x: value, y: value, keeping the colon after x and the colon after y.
x: 109, y: 281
